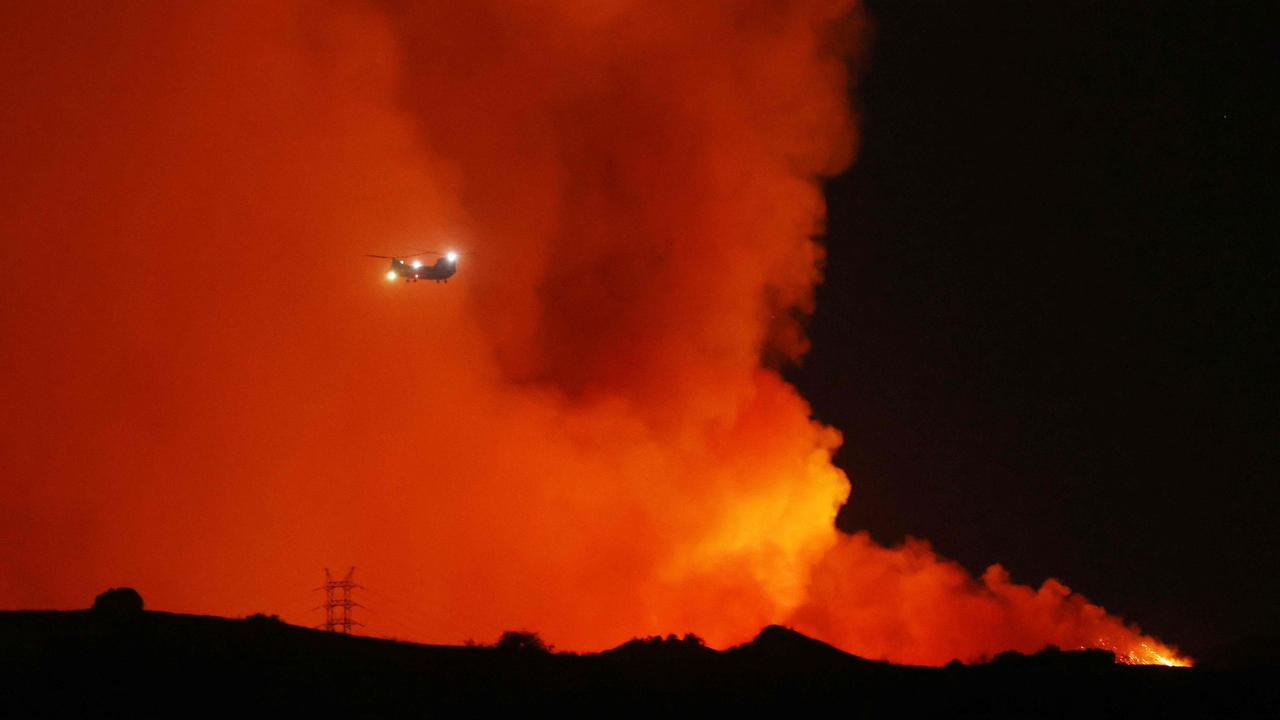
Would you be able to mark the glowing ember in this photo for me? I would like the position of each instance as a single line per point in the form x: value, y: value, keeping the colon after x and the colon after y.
x: 1146, y: 654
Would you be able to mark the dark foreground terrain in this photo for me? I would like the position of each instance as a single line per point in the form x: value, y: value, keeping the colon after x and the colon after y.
x: 96, y: 664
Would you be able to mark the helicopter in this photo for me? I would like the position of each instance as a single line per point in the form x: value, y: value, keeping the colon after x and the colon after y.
x: 413, y: 270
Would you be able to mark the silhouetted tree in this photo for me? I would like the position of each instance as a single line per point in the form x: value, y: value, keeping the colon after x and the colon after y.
x: 118, y: 601
x: 523, y: 641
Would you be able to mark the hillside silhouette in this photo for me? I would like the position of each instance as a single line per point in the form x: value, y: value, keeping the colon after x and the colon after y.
x: 144, y: 662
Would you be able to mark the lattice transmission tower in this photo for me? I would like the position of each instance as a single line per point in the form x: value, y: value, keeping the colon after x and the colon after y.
x: 338, y: 603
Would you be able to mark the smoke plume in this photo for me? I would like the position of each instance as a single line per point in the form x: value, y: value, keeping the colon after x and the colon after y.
x: 209, y: 394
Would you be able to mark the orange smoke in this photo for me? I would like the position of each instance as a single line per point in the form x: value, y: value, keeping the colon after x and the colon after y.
x: 908, y: 605
x: 209, y: 394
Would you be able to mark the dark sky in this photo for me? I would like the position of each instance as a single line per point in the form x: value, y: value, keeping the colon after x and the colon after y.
x: 1048, y: 331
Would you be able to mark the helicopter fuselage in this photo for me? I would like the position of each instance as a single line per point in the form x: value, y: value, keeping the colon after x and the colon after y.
x: 412, y: 271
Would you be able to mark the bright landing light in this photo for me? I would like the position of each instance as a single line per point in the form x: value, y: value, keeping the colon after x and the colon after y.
x: 391, y: 275
x: 453, y: 256
x: 417, y: 264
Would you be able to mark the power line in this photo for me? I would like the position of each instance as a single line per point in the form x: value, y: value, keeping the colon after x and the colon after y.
x: 399, y: 613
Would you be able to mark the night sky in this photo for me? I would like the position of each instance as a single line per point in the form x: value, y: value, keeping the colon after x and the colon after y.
x: 1048, y: 330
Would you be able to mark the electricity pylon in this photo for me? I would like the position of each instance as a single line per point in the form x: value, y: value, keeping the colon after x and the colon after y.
x: 338, y: 603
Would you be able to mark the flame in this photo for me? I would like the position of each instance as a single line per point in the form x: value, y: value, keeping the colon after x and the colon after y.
x: 578, y: 435
x: 1145, y: 653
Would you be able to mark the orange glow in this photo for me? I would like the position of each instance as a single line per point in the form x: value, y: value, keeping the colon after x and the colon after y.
x: 1144, y: 653
x: 575, y: 434
x: 909, y: 605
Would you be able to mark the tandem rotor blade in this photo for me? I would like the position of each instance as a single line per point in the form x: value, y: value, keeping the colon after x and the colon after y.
x: 409, y: 255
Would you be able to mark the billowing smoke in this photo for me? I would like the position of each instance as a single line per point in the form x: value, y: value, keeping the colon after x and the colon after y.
x: 210, y: 395
x: 909, y: 605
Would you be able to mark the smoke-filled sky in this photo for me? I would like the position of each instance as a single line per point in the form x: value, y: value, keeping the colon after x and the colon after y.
x: 210, y: 395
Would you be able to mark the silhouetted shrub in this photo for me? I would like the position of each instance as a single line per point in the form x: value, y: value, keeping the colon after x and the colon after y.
x: 671, y: 639
x: 1054, y: 658
x: 264, y: 618
x: 522, y: 641
x: 658, y: 646
x: 118, y: 601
